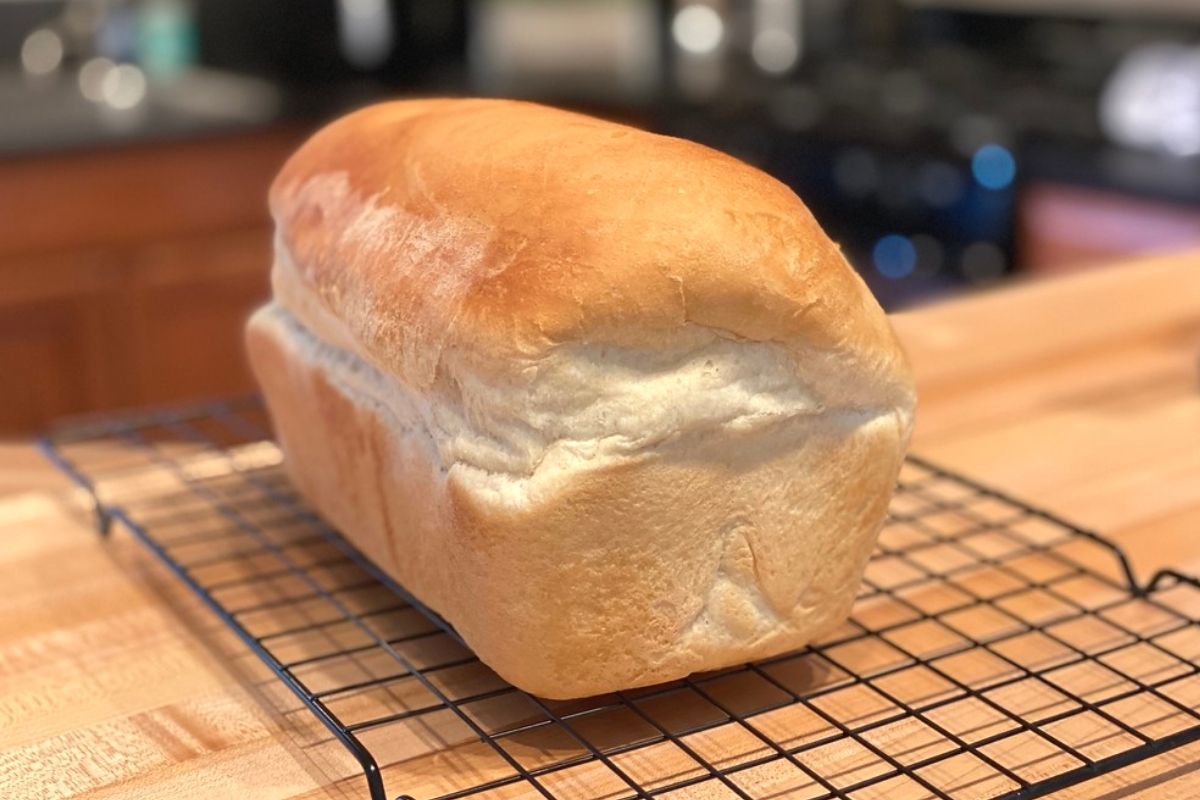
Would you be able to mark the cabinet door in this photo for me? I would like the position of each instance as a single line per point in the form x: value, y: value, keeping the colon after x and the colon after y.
x: 43, y: 356
x: 58, y: 339
x: 189, y: 302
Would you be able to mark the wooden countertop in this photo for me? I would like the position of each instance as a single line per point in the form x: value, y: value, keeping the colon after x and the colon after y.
x: 1081, y: 395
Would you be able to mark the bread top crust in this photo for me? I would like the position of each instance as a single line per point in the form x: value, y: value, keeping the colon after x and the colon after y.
x: 496, y: 230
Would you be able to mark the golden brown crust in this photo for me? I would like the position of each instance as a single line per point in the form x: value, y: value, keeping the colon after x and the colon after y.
x: 481, y: 307
x: 500, y: 228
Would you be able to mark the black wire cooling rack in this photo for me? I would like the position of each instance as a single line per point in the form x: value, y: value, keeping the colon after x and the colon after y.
x: 994, y: 650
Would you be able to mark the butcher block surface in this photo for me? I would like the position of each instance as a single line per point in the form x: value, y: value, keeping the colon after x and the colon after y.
x: 1080, y: 395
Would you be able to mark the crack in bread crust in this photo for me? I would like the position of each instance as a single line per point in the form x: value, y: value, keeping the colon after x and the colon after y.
x: 565, y: 416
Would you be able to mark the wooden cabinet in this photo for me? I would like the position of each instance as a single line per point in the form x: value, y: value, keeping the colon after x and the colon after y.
x: 187, y: 306
x: 47, y: 349
x: 126, y: 275
x: 56, y: 337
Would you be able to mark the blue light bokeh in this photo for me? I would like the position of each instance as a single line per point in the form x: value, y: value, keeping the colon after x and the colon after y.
x: 993, y: 167
x: 895, y: 256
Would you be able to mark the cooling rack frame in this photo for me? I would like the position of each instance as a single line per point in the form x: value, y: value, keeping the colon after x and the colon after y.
x: 214, y: 431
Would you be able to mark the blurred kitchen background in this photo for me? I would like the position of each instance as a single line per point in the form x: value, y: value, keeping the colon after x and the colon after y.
x: 946, y: 144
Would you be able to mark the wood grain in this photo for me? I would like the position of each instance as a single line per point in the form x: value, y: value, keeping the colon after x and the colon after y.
x: 1080, y: 395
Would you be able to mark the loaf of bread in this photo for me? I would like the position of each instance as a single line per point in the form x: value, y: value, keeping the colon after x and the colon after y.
x: 609, y: 402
